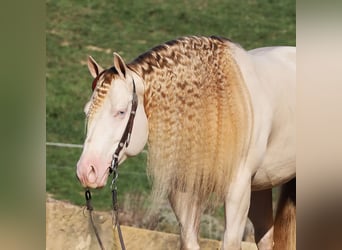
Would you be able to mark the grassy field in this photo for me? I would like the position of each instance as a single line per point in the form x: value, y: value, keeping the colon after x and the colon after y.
x: 78, y: 28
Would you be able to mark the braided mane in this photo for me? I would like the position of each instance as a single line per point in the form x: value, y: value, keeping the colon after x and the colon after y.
x: 100, y: 91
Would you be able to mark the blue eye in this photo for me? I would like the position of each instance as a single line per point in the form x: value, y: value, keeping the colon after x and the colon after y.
x: 120, y: 113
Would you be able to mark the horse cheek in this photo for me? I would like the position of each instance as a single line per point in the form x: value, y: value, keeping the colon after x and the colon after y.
x: 139, y: 134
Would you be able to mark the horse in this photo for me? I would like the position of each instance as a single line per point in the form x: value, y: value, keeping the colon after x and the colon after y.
x: 219, y: 124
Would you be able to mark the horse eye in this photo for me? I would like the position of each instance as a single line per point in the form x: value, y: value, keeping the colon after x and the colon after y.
x: 120, y: 113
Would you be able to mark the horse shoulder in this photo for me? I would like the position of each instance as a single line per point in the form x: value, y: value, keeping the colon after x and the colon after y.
x: 276, y: 67
x: 260, y: 104
x: 269, y: 74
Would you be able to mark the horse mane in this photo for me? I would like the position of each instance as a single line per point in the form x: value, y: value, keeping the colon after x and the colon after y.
x: 101, y: 90
x: 199, y: 116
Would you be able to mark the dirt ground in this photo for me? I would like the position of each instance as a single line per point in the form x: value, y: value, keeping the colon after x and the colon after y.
x: 68, y: 227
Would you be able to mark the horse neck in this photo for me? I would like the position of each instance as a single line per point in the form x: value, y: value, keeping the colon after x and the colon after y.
x: 198, y: 112
x: 179, y: 65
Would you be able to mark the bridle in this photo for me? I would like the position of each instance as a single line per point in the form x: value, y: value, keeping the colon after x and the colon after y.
x: 113, y: 168
x: 126, y: 136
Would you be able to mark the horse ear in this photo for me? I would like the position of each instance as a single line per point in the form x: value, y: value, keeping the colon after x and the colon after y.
x: 120, y: 65
x: 94, y: 68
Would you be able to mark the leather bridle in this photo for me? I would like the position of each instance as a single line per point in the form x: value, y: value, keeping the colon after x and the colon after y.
x: 124, y: 142
x: 126, y: 136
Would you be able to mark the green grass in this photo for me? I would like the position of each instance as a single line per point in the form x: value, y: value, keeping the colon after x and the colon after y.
x: 61, y: 178
x: 131, y: 28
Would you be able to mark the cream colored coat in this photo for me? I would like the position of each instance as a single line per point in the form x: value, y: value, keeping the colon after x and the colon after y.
x: 218, y: 119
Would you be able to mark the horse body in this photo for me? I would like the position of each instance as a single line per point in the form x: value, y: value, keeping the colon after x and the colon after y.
x: 275, y: 68
x: 270, y: 76
x: 220, y: 121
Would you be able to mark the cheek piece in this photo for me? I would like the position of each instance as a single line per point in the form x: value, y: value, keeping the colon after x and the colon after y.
x: 126, y: 136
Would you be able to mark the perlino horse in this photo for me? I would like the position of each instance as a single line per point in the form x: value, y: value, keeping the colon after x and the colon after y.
x: 220, y: 125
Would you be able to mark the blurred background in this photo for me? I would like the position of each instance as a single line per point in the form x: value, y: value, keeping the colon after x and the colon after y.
x: 78, y: 28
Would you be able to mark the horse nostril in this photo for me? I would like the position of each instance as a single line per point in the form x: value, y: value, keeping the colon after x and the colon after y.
x: 91, y: 175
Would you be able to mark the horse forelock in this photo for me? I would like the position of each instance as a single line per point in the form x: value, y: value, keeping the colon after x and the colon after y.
x: 101, y: 85
x: 198, y: 112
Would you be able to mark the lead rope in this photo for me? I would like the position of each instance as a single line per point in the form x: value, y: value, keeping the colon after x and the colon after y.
x: 115, y: 211
x: 90, y: 209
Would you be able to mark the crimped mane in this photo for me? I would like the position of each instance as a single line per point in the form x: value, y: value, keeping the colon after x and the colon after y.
x: 101, y: 85
x: 159, y: 56
x: 199, y: 116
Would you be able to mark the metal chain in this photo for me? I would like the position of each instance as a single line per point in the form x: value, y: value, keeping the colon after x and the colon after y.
x: 114, y: 190
x: 115, y: 213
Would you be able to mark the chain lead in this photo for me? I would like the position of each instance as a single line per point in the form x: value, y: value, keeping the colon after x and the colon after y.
x: 115, y: 211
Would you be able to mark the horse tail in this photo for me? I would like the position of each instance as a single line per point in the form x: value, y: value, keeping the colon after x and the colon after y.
x: 285, y: 220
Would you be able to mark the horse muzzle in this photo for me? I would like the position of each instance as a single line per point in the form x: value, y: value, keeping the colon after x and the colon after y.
x: 90, y: 176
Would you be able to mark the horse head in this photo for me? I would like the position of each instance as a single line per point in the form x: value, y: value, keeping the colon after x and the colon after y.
x: 108, y: 113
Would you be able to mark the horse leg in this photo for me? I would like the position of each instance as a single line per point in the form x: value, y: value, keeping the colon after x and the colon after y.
x: 188, y: 213
x: 236, y: 209
x: 261, y: 215
x: 285, y: 220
